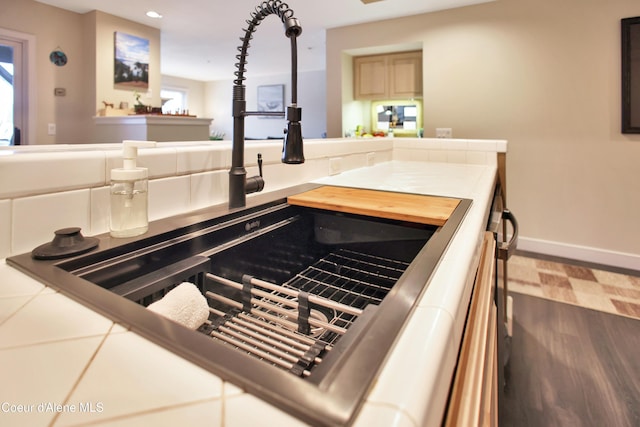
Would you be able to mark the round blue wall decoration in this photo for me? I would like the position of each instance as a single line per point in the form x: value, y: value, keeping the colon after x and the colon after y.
x: 58, y: 58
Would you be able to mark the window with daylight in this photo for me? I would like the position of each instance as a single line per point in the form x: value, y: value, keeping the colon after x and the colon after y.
x: 174, y: 101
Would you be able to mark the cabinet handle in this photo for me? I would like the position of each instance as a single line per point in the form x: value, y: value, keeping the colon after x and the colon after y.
x: 506, y: 249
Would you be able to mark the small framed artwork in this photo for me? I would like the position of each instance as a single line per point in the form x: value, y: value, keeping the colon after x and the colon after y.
x: 630, y: 75
x: 271, y: 98
x: 131, y: 59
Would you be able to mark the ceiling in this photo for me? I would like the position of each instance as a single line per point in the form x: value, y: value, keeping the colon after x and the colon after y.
x: 199, y: 38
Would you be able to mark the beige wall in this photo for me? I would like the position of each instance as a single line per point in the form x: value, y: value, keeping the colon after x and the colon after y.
x: 105, y: 27
x: 59, y: 29
x: 88, y: 76
x: 545, y: 75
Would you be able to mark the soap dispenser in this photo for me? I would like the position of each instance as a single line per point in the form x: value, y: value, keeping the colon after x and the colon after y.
x: 129, y: 201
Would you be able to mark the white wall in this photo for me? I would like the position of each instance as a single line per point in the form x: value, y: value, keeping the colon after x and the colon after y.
x: 311, y: 98
x: 544, y: 75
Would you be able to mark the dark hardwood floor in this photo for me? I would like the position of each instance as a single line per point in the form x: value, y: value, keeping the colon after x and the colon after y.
x: 571, y: 366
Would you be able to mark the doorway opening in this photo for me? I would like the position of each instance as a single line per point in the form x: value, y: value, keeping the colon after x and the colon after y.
x: 16, y: 55
x: 7, y: 132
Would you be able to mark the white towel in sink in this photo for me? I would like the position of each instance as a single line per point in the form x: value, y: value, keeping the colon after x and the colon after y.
x: 183, y: 304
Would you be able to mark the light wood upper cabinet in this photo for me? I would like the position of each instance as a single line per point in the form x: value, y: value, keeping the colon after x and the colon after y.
x: 370, y: 73
x: 405, y: 75
x: 391, y: 76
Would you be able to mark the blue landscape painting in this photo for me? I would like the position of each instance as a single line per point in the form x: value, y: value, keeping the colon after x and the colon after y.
x: 131, y: 62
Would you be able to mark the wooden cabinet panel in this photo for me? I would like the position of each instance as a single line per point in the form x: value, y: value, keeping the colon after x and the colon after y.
x: 370, y: 77
x: 391, y: 76
x: 473, y: 400
x: 405, y: 75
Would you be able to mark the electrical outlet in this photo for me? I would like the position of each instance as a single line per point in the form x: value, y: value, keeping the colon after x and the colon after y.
x: 51, y: 129
x: 335, y: 165
x: 444, y: 133
x: 371, y: 159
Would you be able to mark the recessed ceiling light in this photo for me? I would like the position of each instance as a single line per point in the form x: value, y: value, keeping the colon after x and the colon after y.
x: 154, y: 14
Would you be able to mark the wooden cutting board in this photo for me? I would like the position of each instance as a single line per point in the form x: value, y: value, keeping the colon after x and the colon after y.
x: 383, y: 204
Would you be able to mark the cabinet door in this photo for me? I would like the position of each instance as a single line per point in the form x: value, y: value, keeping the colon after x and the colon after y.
x: 405, y: 75
x: 370, y: 74
x: 473, y: 400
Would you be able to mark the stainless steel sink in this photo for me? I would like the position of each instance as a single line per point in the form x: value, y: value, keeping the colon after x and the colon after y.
x: 305, y: 304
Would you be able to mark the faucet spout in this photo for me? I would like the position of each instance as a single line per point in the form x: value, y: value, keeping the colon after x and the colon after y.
x: 292, y: 152
x: 292, y: 148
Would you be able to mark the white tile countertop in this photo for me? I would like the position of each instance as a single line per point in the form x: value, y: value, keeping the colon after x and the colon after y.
x: 62, y: 364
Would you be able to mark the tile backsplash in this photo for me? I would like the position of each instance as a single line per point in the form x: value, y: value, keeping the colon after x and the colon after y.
x: 45, y: 188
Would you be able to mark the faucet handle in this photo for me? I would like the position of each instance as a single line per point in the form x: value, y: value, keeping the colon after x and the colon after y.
x: 255, y: 184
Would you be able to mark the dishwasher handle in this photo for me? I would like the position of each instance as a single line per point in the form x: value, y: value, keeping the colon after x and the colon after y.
x: 506, y: 249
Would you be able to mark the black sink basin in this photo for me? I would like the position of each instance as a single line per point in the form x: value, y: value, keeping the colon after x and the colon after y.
x: 293, y: 293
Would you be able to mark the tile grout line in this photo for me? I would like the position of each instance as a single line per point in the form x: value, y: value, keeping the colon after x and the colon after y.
x: 29, y: 299
x: 142, y: 413
x: 84, y: 371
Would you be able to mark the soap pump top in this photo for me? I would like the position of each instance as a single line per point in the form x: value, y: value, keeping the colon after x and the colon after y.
x: 129, y: 170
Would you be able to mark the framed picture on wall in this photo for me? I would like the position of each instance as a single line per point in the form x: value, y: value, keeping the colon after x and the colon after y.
x: 131, y: 59
x: 630, y: 75
x: 271, y: 98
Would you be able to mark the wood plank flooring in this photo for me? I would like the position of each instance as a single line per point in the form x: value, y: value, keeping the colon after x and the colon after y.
x: 571, y: 366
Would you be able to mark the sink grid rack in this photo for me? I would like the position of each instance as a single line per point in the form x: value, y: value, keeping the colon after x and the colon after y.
x: 291, y: 325
x: 294, y: 324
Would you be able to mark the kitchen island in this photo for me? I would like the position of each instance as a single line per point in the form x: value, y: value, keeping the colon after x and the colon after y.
x: 151, y: 127
x: 69, y: 365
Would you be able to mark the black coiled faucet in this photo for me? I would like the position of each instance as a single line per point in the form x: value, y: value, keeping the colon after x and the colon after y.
x: 239, y: 184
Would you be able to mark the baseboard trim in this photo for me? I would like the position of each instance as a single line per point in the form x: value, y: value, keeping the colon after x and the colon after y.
x: 580, y: 253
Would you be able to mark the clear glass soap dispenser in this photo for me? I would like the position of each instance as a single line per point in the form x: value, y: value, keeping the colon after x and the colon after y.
x: 129, y: 200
